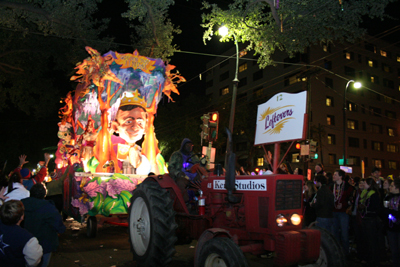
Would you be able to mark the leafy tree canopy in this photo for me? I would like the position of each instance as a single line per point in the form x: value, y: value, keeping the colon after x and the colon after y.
x: 290, y: 25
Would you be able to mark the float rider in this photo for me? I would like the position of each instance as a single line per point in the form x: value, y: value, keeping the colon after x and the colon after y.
x: 183, y: 166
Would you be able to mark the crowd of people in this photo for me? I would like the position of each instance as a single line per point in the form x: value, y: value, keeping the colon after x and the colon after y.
x: 29, y: 224
x: 364, y: 211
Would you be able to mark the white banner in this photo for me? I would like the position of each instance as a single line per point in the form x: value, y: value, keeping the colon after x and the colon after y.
x: 243, y: 185
x: 281, y: 118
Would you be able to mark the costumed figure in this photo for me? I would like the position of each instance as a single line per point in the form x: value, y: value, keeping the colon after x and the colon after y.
x: 130, y: 124
x: 64, y: 145
x: 88, y: 141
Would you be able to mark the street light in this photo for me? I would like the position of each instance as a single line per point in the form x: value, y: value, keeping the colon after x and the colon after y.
x: 355, y: 85
x: 223, y: 31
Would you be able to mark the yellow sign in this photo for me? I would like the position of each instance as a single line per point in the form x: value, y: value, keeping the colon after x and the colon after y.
x: 135, y: 61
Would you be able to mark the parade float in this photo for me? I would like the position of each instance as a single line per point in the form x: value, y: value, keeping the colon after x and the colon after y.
x: 102, y: 167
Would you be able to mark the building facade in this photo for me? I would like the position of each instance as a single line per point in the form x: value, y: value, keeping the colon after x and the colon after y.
x: 372, y: 125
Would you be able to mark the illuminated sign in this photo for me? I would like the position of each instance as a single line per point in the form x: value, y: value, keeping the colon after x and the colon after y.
x: 281, y: 118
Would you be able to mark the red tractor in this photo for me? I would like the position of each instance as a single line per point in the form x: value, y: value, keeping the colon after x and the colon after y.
x: 234, y: 215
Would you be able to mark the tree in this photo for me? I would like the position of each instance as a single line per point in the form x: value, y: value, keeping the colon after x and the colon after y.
x: 290, y: 25
x: 154, y: 33
x: 40, y: 43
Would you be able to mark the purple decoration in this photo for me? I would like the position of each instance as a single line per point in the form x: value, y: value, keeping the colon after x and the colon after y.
x: 115, y: 187
x: 83, y: 207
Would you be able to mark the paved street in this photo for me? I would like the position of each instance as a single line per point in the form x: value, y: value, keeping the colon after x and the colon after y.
x: 111, y: 249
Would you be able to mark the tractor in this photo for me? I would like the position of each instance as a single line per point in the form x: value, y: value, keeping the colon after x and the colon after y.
x: 233, y: 215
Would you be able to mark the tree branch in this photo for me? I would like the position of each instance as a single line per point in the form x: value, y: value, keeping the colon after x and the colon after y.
x: 272, y: 7
x: 151, y: 15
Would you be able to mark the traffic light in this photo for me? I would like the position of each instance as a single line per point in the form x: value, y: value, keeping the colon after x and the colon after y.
x: 298, y: 146
x: 213, y: 126
x: 313, y: 150
x: 205, y: 126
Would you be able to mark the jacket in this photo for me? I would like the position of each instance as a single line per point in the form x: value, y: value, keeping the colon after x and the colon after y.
x: 178, y: 158
x: 19, y: 192
x: 44, y: 221
x: 18, y: 247
x: 324, y: 202
x: 346, y: 193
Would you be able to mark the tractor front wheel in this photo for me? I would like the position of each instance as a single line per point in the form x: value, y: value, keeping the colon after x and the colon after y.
x: 221, y: 252
x: 152, y: 225
x: 331, y: 253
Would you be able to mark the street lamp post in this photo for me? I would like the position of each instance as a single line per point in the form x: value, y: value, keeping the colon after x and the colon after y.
x: 224, y: 31
x: 356, y: 85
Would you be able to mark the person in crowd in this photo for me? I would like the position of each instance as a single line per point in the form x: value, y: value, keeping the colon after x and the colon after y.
x: 18, y: 247
x: 376, y: 175
x: 369, y: 209
x: 355, y: 219
x: 342, y: 192
x: 43, y: 220
x: 323, y: 204
x: 319, y: 169
x: 2, y: 195
x: 15, y: 189
x: 310, y: 191
x: 27, y: 179
x: 392, y: 221
x: 298, y: 171
x: 329, y: 177
x: 283, y: 169
x: 386, y: 189
x: 55, y: 190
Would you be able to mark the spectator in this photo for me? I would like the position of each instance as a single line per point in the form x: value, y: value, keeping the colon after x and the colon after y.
x: 393, y: 221
x: 283, y: 169
x: 310, y: 191
x: 15, y: 189
x: 355, y: 218
x: 342, y: 192
x: 43, y: 220
x: 19, y: 248
x: 319, y: 169
x: 323, y: 204
x: 369, y: 208
x: 376, y: 175
x: 27, y: 179
x: 329, y: 178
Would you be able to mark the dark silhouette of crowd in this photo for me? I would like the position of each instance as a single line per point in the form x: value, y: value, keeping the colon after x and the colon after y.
x: 29, y: 224
x: 361, y: 214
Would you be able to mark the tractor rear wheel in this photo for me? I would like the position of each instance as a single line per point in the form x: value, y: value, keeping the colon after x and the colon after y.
x: 152, y: 225
x: 221, y: 252
x: 331, y: 253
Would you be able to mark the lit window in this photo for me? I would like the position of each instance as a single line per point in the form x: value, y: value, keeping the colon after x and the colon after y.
x: 351, y: 124
x: 295, y: 157
x: 390, y: 131
x: 377, y: 163
x: 243, y: 67
x: 398, y: 58
x: 392, y: 165
x: 329, y: 101
x: 330, y: 120
x: 225, y: 91
x: 392, y: 148
x: 370, y: 63
x: 383, y: 53
x: 331, y: 139
x: 243, y: 53
x: 260, y: 161
x: 376, y: 146
x: 348, y: 55
x: 332, y: 159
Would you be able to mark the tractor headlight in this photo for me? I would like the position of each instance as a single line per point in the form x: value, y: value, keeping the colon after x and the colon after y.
x: 281, y: 220
x: 295, y: 219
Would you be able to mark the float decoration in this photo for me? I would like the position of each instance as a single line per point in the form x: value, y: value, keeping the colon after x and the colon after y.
x: 106, y: 81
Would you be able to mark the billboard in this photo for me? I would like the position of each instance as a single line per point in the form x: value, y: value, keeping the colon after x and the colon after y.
x: 281, y: 118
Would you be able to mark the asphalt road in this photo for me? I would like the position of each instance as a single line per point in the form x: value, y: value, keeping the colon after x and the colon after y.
x: 111, y: 248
